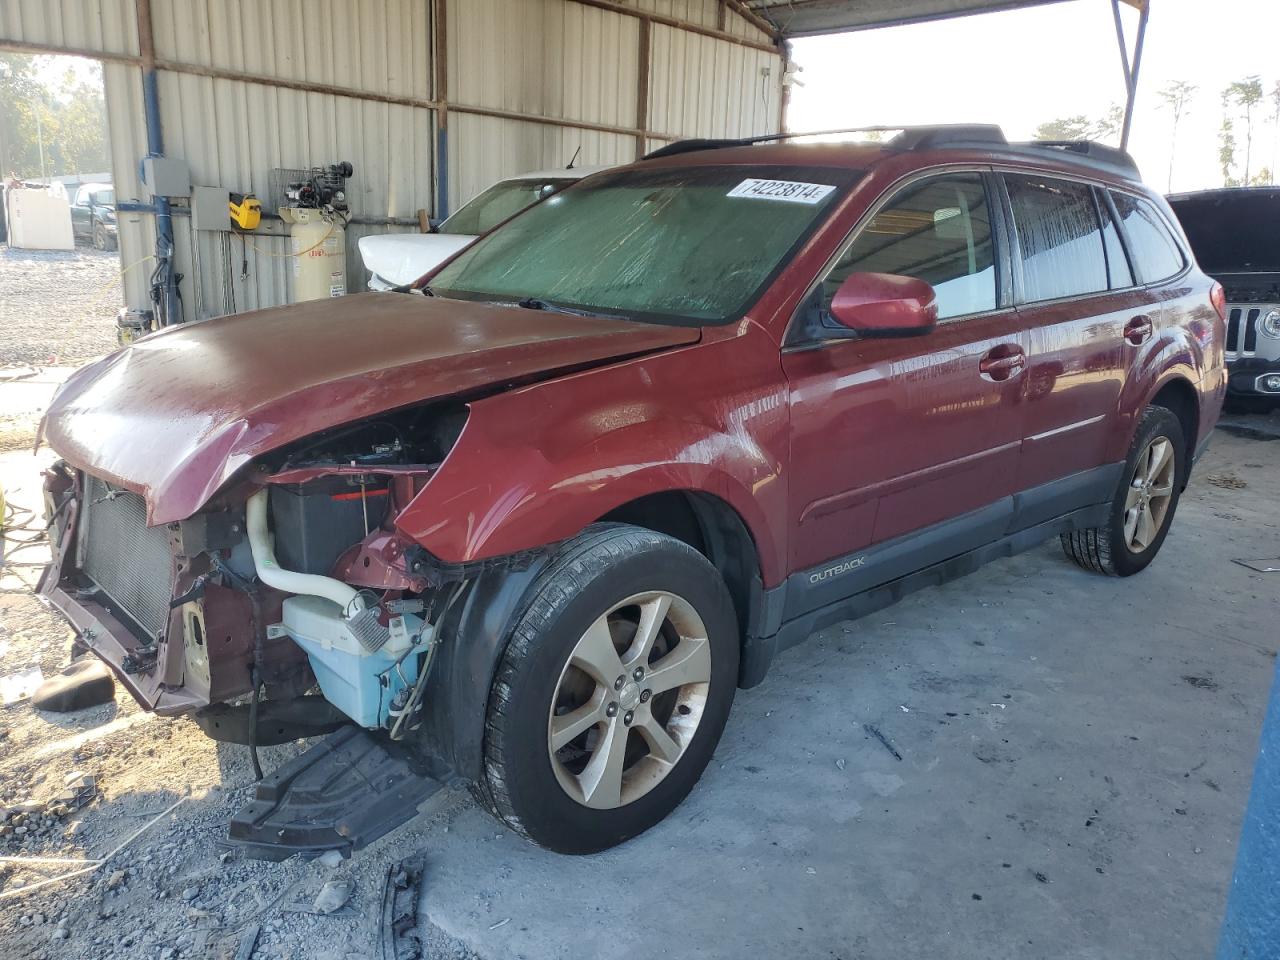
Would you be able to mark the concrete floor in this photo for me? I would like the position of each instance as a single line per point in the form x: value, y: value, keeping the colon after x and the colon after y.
x: 1076, y: 755
x: 1075, y: 759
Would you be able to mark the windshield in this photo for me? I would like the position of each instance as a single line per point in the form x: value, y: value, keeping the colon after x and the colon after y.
x: 105, y: 197
x: 674, y: 244
x: 1232, y: 231
x: 501, y: 202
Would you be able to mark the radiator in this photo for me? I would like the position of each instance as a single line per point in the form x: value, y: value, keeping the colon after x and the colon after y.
x: 131, y: 563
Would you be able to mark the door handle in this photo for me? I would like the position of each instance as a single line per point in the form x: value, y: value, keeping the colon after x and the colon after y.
x: 1138, y: 330
x: 1002, y: 362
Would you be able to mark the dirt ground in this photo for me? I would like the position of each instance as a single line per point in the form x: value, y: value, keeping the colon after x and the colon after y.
x: 172, y: 891
x: 57, y: 307
x: 168, y: 889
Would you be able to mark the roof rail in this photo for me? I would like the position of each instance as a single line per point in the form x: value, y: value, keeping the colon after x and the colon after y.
x: 909, y: 138
x: 1087, y: 152
x: 1097, y: 154
x: 692, y: 146
x: 948, y: 135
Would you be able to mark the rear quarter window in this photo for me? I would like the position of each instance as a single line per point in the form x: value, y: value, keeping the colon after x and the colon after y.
x: 1156, y: 254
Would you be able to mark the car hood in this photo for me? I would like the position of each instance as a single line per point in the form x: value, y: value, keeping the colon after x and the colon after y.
x: 176, y: 414
x: 401, y: 258
x: 1231, y: 230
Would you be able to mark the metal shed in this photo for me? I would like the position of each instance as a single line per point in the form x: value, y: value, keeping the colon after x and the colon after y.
x: 430, y: 100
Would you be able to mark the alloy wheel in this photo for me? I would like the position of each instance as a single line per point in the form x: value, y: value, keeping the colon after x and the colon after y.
x: 629, y: 700
x: 1149, y: 495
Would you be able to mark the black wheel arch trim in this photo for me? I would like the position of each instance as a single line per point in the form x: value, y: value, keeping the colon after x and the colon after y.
x: 476, y: 633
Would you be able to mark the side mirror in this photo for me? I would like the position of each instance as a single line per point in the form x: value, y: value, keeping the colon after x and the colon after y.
x: 885, y: 305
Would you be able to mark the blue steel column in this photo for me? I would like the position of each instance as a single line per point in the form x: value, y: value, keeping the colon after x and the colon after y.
x: 442, y: 169
x: 440, y: 54
x: 155, y: 148
x: 1251, y: 930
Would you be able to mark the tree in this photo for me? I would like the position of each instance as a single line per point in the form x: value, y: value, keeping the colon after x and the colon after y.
x: 1078, y: 127
x: 1227, y: 143
x: 79, y: 130
x: 1109, y: 126
x: 50, y: 126
x: 1177, y: 97
x: 1275, y: 125
x: 19, y: 90
x: 1245, y: 94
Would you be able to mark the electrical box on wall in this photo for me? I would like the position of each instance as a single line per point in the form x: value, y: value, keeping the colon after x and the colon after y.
x: 209, y: 209
x: 167, y: 177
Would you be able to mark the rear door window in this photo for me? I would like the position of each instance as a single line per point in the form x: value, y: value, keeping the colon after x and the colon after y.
x: 1156, y: 254
x: 1059, y: 237
x: 1121, y: 274
x: 939, y: 231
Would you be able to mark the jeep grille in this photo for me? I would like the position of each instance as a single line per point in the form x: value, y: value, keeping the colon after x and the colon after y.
x: 1242, y: 329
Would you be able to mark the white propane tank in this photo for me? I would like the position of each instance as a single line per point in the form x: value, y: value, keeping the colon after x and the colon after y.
x: 319, y: 250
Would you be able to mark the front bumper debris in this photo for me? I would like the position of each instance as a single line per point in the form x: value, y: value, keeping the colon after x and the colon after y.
x: 342, y: 794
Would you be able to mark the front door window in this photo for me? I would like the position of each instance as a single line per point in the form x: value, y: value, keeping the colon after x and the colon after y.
x: 938, y: 231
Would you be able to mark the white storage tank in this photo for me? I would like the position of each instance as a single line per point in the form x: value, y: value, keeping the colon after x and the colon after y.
x: 319, y: 248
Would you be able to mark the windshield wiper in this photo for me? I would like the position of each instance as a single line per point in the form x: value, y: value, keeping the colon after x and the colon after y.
x: 534, y: 303
x: 410, y: 288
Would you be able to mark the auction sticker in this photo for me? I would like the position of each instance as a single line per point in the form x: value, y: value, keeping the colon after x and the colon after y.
x: 791, y: 191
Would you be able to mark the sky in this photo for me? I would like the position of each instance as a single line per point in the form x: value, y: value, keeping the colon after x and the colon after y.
x: 1024, y: 67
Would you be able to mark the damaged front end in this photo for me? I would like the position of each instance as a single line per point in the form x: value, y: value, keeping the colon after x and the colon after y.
x: 294, y: 578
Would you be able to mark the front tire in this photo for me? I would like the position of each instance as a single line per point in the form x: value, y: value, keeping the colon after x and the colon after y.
x: 1144, y: 503
x: 101, y: 239
x: 613, y: 690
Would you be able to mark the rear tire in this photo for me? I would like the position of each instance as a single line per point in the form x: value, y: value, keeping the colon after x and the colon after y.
x: 613, y: 690
x: 1145, y: 501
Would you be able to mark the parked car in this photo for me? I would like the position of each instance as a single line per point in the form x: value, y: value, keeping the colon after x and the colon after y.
x: 1232, y: 232
x: 93, y: 215
x: 397, y: 259
x: 542, y: 520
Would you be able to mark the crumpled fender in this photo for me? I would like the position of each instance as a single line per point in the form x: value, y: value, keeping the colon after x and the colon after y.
x: 537, y: 465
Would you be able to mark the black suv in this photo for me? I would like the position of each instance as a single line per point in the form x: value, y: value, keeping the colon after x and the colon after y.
x: 93, y: 215
x: 1233, y: 234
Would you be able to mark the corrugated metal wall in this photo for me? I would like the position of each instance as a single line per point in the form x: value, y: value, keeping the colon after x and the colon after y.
x: 543, y: 57
x: 234, y: 104
x: 700, y: 86
x: 105, y: 26
x: 234, y: 132
x: 704, y: 13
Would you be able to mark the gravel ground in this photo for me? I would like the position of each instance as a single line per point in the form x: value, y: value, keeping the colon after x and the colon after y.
x: 57, y: 307
x: 173, y: 891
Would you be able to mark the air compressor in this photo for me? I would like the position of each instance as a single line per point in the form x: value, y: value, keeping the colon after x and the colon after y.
x: 317, y: 212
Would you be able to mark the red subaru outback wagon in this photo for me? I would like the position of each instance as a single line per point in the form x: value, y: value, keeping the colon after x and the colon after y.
x: 538, y: 517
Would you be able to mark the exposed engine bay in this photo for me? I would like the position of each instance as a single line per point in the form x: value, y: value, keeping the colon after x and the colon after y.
x: 295, y: 577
